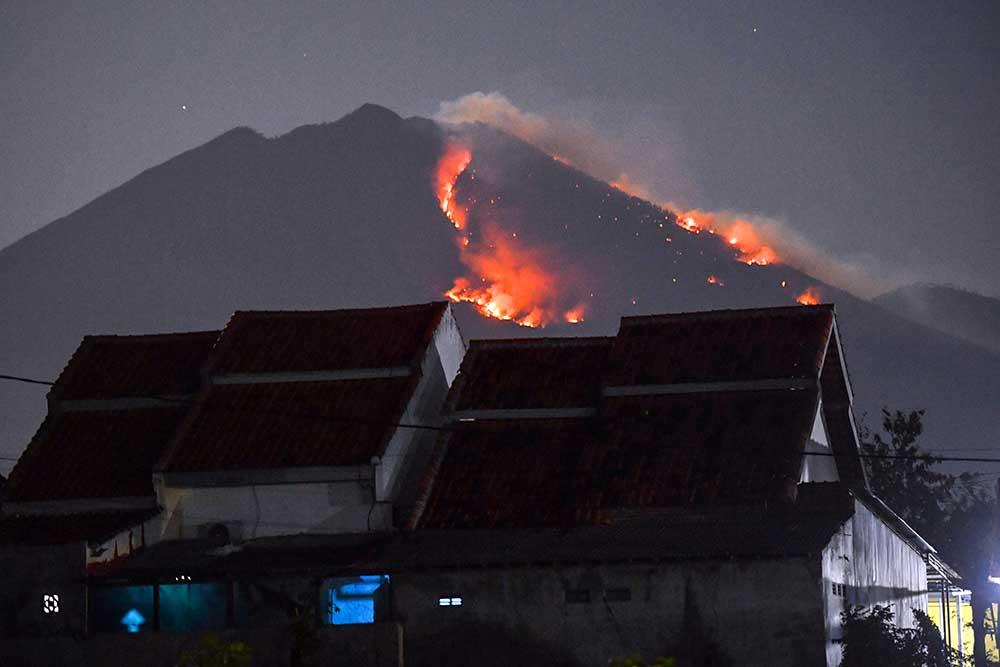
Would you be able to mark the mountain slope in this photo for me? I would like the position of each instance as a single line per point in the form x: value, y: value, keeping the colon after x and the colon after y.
x: 346, y: 214
x: 966, y: 315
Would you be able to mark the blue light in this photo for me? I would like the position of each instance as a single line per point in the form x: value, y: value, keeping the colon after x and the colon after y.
x: 353, y: 600
x: 132, y: 620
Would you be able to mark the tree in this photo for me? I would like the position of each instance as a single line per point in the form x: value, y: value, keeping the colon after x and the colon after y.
x: 950, y: 511
x: 872, y: 639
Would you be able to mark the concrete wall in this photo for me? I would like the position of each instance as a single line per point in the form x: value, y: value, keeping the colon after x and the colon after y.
x: 871, y: 565
x: 761, y: 612
x: 377, y: 645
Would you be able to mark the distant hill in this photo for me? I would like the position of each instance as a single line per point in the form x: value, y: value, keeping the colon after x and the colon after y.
x: 347, y: 214
x: 967, y: 315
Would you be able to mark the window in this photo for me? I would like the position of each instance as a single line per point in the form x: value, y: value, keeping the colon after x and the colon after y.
x: 123, y: 609
x: 449, y: 602
x: 50, y: 603
x: 617, y: 595
x: 193, y: 606
x: 356, y: 600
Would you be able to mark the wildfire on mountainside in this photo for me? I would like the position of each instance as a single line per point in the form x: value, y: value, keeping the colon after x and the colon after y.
x: 738, y: 233
x: 810, y: 297
x: 451, y: 165
x: 510, y: 281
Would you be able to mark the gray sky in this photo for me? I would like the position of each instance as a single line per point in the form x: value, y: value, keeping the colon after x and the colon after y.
x: 873, y: 131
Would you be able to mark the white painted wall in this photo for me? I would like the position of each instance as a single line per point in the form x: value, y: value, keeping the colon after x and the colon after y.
x: 877, y: 566
x: 266, y: 510
x: 821, y: 468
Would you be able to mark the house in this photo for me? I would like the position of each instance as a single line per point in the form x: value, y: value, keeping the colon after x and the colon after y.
x: 297, y: 428
x: 695, y: 474
x: 691, y: 485
x: 82, y: 492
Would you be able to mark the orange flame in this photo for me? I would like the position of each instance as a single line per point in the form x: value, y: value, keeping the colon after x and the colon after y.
x: 809, y: 298
x: 514, y: 286
x: 737, y: 232
x: 560, y: 158
x: 712, y: 280
x: 575, y: 314
x: 451, y: 165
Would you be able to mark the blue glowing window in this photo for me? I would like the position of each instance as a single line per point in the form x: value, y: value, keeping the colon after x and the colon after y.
x: 192, y: 606
x: 355, y: 600
x: 123, y: 609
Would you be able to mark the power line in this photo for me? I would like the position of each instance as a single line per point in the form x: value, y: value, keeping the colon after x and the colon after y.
x: 464, y: 427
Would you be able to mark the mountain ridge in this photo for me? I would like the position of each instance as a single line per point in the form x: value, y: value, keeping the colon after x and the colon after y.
x: 344, y: 214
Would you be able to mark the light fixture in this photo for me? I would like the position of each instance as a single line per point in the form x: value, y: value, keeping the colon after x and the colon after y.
x: 50, y: 603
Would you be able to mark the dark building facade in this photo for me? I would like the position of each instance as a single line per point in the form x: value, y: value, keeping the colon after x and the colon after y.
x: 690, y: 486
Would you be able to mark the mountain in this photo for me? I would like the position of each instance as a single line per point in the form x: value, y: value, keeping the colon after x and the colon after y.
x: 966, y: 315
x: 349, y: 213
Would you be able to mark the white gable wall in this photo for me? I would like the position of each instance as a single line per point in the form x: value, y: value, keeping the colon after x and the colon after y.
x: 821, y: 467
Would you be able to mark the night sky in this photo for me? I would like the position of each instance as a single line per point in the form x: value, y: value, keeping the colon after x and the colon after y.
x: 874, y: 132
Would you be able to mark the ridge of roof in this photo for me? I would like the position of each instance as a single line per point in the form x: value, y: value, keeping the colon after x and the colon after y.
x: 338, y: 311
x: 724, y: 314
x: 553, y: 341
x: 228, y: 338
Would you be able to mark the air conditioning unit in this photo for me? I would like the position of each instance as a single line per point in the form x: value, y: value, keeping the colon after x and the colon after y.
x: 221, y: 533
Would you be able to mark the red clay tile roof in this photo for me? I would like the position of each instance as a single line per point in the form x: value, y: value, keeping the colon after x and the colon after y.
x: 266, y: 425
x: 300, y: 341
x: 643, y: 452
x: 716, y: 447
x: 726, y: 345
x: 93, y: 454
x: 105, y: 367
x: 108, y: 451
x: 278, y: 425
x: 540, y: 373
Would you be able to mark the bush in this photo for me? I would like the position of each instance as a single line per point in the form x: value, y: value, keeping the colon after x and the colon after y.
x: 872, y: 639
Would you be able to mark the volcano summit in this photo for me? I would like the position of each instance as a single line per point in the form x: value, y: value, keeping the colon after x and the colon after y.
x: 375, y: 209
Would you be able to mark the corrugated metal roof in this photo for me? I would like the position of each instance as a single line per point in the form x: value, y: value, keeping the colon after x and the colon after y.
x: 651, y: 537
x: 61, y: 529
x: 93, y: 454
x: 717, y: 346
x: 302, y: 341
x: 105, y: 367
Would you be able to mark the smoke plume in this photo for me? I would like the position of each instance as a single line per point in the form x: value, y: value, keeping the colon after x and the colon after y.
x: 580, y: 144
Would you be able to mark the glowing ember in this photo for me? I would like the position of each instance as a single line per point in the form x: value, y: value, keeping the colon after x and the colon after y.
x: 712, y: 280
x: 739, y: 234
x: 689, y: 224
x: 575, y: 316
x: 451, y: 165
x: 809, y: 298
x: 560, y: 158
